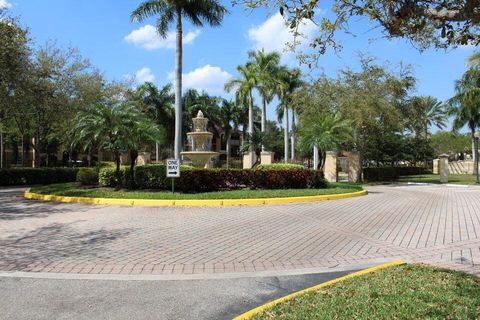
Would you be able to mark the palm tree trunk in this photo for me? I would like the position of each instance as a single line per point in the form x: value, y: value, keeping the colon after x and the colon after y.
x: 178, y: 87
x: 294, y: 137
x: 133, y: 159
x: 250, y: 129
x: 229, y: 137
x: 1, y: 147
x: 474, y: 151
x: 264, y: 118
x: 285, y: 137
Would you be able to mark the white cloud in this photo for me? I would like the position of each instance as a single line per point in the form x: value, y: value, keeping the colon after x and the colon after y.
x: 4, y: 4
x: 148, y: 38
x: 209, y: 78
x: 274, y: 34
x: 144, y: 75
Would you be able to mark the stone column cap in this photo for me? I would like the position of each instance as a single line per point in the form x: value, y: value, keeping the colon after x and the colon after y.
x: 444, y: 155
x: 331, y: 152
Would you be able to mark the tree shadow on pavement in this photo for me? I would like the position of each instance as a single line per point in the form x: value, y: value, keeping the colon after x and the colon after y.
x: 57, y: 242
x: 14, y: 207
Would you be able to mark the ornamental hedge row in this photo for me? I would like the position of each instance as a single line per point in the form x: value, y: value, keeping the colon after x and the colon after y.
x: 205, y: 180
x: 27, y: 176
x: 391, y: 173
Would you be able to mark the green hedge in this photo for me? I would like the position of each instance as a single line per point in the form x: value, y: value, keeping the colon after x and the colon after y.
x: 204, y: 180
x: 279, y: 166
x: 28, y: 176
x: 391, y: 173
x: 87, y: 176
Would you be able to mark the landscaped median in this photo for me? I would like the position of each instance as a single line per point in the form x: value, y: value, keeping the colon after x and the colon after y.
x: 74, y: 193
x: 389, y: 291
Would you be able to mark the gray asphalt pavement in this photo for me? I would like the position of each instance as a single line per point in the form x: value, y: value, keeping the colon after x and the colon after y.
x: 27, y: 298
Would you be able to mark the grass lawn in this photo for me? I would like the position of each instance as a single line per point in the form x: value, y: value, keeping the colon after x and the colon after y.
x: 74, y: 190
x: 435, y: 178
x: 404, y: 292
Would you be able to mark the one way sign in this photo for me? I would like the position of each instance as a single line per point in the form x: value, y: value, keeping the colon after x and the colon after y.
x: 173, y: 168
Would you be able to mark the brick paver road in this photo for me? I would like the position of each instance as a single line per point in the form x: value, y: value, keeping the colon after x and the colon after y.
x: 438, y: 225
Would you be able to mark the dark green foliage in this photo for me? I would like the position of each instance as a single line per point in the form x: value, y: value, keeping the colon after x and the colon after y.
x: 87, y: 176
x: 27, y: 176
x: 206, y: 180
x: 390, y: 173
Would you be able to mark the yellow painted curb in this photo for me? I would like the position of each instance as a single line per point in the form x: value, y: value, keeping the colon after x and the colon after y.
x: 269, y: 305
x: 191, y: 203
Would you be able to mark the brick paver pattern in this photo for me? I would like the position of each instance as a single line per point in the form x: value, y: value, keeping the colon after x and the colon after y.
x: 435, y: 225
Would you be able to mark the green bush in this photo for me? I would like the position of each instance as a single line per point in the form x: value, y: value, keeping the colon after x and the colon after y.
x: 204, y: 180
x: 107, y: 177
x: 279, y: 166
x: 28, y: 176
x: 87, y: 176
x: 390, y: 173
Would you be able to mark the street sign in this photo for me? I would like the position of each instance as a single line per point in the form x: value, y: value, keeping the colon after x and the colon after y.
x: 173, y: 168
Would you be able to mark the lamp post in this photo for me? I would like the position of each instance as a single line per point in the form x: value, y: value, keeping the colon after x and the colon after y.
x: 477, y: 136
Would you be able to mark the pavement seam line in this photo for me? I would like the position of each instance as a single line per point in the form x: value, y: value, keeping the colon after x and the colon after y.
x: 249, y: 314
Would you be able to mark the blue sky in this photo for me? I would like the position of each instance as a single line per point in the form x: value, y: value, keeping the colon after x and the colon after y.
x: 102, y: 31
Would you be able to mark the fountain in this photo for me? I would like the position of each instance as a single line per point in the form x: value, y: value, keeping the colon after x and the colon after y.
x: 201, y: 141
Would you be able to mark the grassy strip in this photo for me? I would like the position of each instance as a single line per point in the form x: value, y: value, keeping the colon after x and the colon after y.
x: 435, y: 178
x: 74, y: 190
x: 404, y: 292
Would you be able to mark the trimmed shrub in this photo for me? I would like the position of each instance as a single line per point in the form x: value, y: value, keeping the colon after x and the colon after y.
x: 279, y: 166
x: 27, y: 176
x: 107, y: 177
x: 205, y: 180
x: 390, y: 173
x: 317, y: 181
x: 87, y: 176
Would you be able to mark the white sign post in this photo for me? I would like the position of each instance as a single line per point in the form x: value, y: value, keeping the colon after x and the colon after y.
x: 173, y: 171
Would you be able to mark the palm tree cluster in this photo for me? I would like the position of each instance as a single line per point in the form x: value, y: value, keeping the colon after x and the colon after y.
x: 264, y: 74
x: 465, y: 105
x: 115, y: 127
x: 198, y: 12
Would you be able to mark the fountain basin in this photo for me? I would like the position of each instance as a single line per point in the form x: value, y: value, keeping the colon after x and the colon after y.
x: 199, y: 158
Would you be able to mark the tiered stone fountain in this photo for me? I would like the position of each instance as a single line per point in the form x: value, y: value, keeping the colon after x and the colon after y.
x: 201, y: 141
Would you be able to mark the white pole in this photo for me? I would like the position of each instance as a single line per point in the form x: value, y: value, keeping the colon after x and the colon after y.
x: 315, y: 157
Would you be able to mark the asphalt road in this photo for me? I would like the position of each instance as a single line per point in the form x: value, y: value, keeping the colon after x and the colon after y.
x: 27, y: 298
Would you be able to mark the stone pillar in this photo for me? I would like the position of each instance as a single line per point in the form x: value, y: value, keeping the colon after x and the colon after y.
x: 315, y: 158
x: 443, y: 168
x: 144, y: 158
x: 435, y: 166
x: 331, y: 166
x: 246, y: 160
x: 354, y: 167
x: 266, y: 157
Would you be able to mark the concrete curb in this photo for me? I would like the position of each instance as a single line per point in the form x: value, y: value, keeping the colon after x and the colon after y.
x: 199, y: 276
x: 251, y: 313
x: 191, y: 203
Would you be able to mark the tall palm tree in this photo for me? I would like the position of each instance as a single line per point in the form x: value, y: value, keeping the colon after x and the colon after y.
x: 290, y: 81
x: 105, y: 124
x: 465, y: 105
x: 157, y: 103
x: 325, y: 132
x: 140, y: 130
x: 197, y: 12
x: 244, y: 86
x: 474, y: 60
x: 266, y: 69
x: 229, y: 119
x: 427, y: 111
